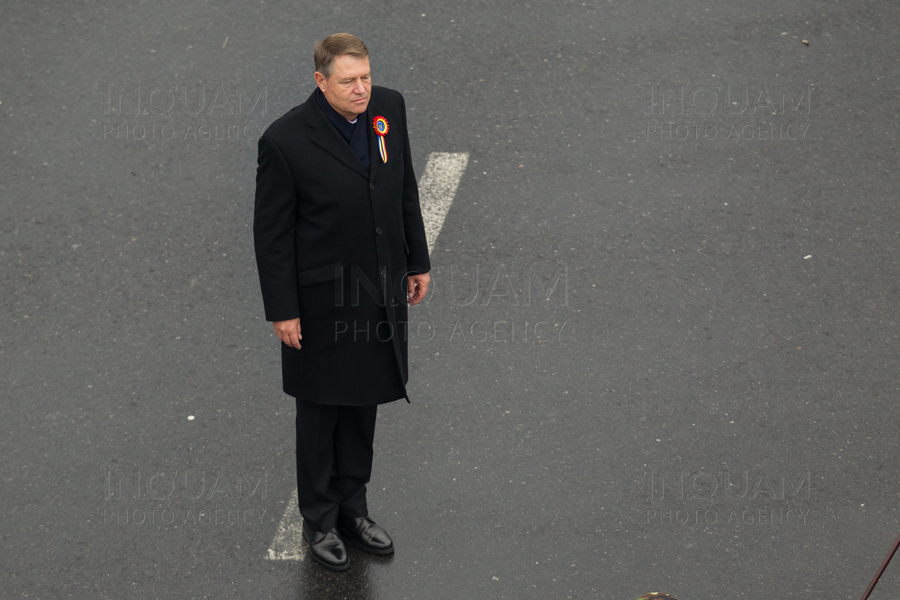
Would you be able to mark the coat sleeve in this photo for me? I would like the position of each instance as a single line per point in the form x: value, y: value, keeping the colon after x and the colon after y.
x: 274, y: 216
x: 418, y: 261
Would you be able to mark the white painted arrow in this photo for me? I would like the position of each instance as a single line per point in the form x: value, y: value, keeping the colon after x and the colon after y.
x: 288, y: 543
x: 437, y: 188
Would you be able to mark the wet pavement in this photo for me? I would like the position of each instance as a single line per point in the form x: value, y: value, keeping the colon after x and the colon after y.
x: 660, y: 351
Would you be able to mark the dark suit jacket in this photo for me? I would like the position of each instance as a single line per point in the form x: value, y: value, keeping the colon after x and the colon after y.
x: 334, y: 244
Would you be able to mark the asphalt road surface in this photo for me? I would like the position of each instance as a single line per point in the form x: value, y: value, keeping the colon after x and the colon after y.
x: 661, y: 349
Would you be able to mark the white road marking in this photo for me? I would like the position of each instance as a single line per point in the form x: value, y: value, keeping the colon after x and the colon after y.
x: 288, y: 543
x: 437, y: 187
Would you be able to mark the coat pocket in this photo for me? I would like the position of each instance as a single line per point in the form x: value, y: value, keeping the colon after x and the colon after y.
x: 321, y: 293
x: 319, y: 274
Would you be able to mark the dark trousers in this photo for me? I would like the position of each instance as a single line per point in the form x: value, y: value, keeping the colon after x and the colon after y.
x: 334, y: 461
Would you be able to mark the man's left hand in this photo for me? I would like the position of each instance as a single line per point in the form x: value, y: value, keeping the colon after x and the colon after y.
x: 417, y: 287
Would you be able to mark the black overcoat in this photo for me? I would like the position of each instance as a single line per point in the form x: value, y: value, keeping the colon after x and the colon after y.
x: 334, y: 245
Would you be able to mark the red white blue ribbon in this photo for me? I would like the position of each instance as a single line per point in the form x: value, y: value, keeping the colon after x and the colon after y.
x: 380, y: 125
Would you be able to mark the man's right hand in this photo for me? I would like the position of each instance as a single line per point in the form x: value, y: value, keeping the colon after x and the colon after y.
x: 288, y: 332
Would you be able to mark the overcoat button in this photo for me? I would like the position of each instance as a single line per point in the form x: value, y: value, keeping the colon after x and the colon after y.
x: 383, y: 272
x: 378, y: 230
x: 371, y: 186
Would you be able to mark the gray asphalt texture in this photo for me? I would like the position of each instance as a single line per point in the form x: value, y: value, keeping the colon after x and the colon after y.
x: 661, y: 349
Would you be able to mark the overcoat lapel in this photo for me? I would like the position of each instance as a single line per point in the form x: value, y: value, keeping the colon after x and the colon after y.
x: 324, y: 135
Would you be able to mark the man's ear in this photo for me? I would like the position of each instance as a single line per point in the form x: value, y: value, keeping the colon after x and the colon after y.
x: 320, y: 79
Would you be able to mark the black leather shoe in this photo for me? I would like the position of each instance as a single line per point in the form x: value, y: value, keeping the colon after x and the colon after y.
x: 326, y: 548
x: 366, y: 534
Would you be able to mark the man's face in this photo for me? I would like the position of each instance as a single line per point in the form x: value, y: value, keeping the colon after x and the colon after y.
x: 349, y: 86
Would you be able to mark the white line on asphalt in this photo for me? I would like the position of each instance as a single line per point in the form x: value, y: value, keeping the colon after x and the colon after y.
x: 437, y: 187
x: 288, y: 543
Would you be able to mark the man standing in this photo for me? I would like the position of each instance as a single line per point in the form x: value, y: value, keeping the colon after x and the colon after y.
x: 341, y: 250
